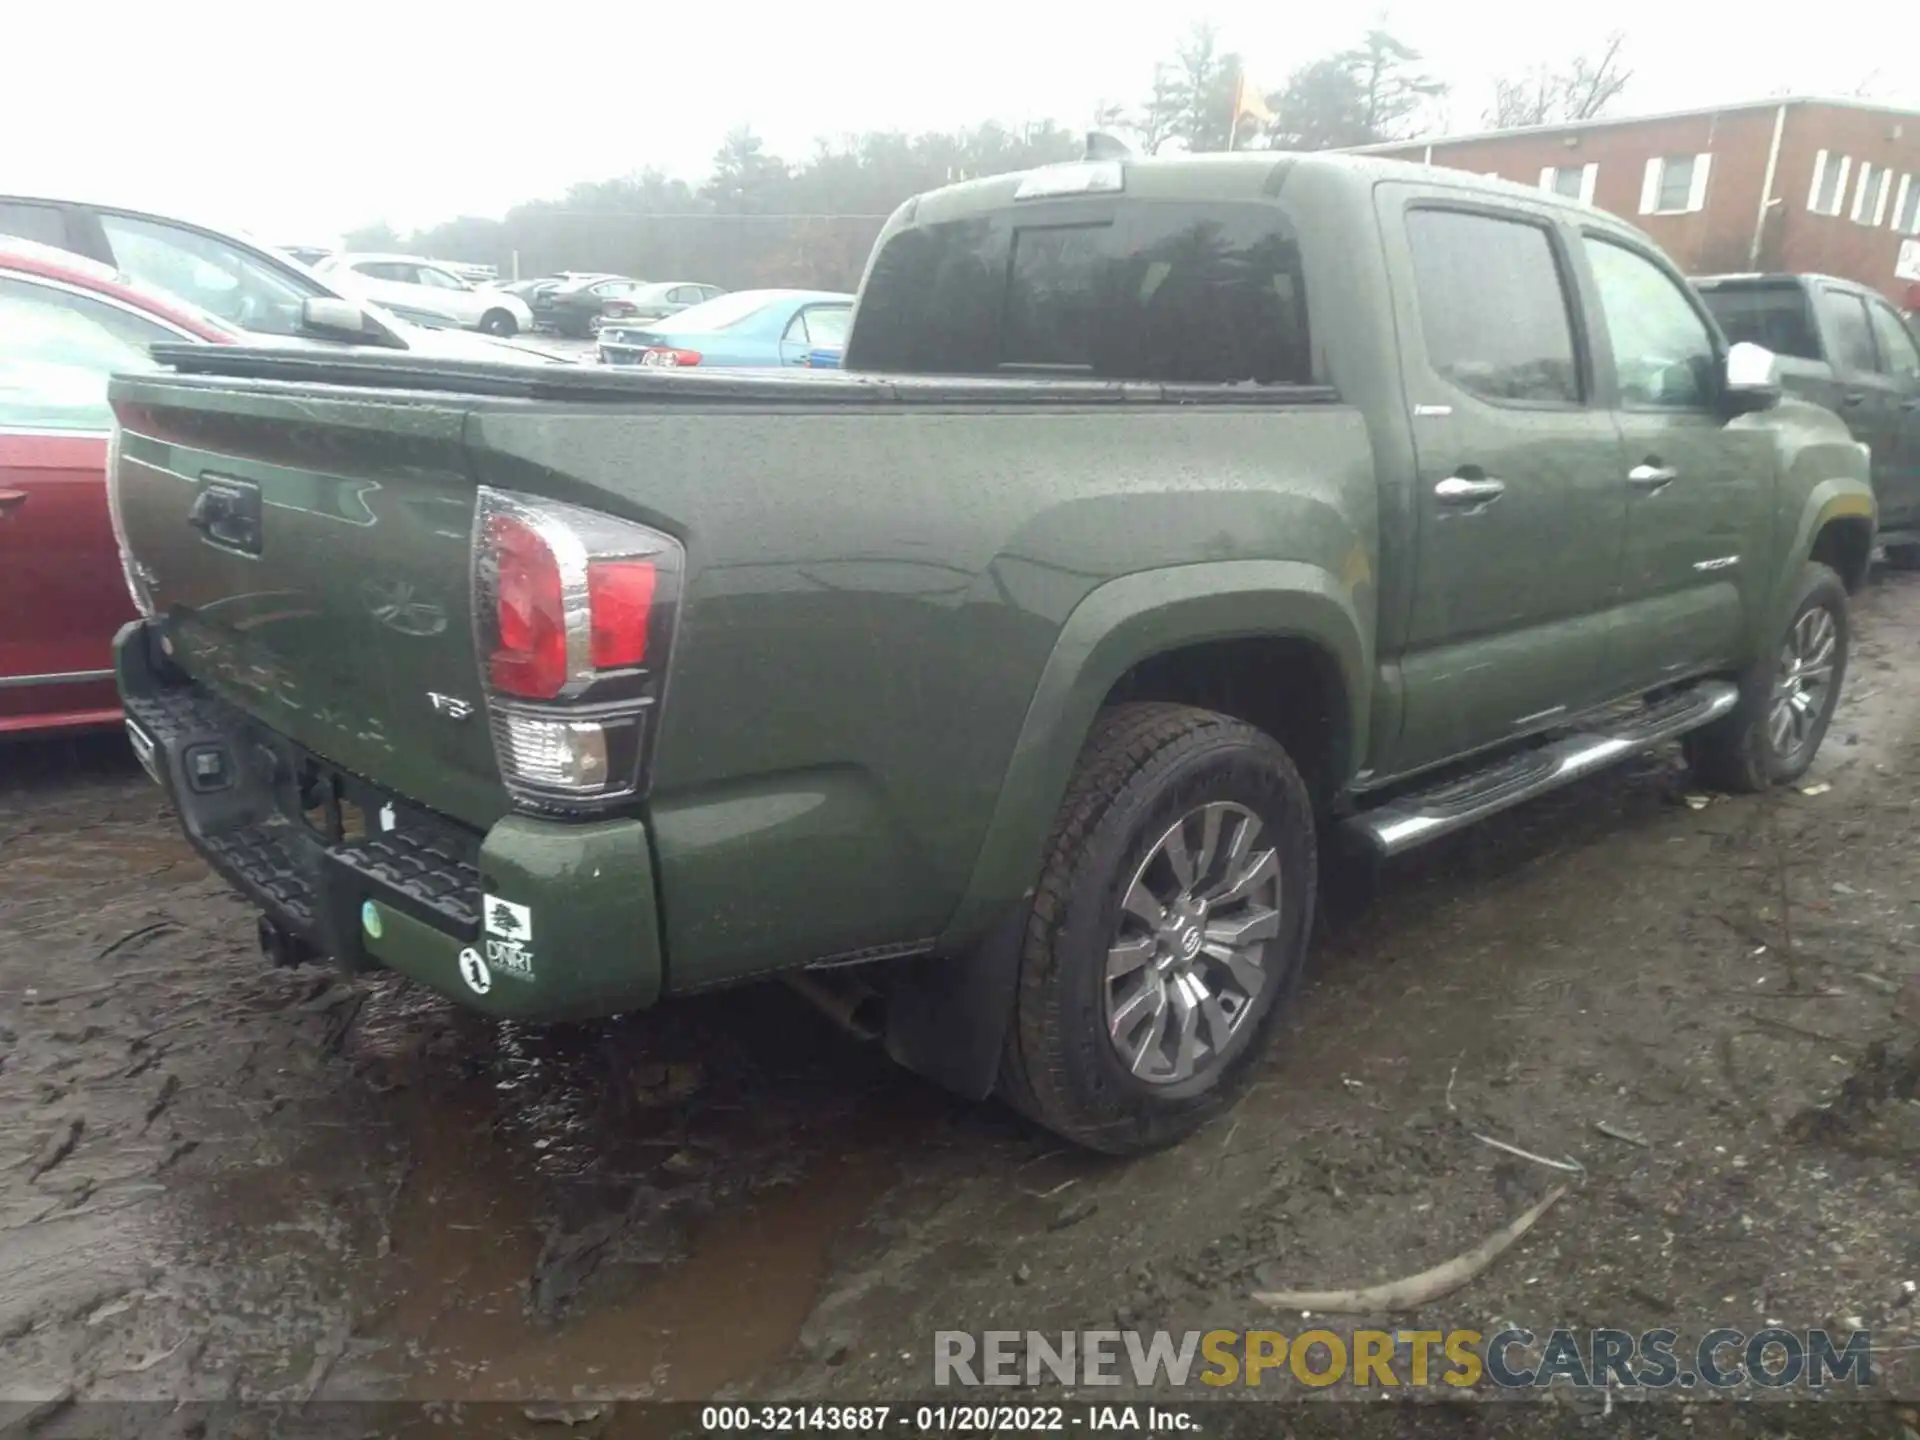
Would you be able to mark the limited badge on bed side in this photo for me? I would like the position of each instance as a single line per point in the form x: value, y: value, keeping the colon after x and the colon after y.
x: 509, y: 937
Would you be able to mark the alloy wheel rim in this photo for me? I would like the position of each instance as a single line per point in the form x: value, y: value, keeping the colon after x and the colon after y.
x: 1803, y: 687
x: 1190, y: 955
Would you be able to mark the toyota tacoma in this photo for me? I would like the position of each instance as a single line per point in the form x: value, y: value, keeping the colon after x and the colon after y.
x: 1173, y: 521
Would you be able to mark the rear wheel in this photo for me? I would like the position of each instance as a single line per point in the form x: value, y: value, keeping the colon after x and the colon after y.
x: 499, y: 322
x: 1166, y: 931
x: 1787, y: 699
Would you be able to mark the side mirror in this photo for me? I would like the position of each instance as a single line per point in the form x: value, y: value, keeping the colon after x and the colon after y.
x: 337, y: 319
x: 1752, y: 379
x: 333, y: 316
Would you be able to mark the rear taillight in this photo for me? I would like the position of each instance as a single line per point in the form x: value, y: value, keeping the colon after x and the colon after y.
x: 574, y: 611
x: 529, y: 656
x: 668, y: 356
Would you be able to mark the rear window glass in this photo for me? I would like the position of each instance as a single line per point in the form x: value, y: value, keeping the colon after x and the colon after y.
x: 1206, y: 295
x: 1771, y: 315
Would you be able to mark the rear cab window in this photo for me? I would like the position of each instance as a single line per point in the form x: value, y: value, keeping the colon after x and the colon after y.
x: 1775, y: 316
x: 1123, y: 290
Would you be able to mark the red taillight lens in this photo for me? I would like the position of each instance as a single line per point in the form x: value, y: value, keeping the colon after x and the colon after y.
x: 620, y: 599
x: 529, y: 657
x: 574, y: 614
x: 666, y: 355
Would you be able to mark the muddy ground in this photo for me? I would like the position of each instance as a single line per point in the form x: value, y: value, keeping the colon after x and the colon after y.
x: 220, y: 1180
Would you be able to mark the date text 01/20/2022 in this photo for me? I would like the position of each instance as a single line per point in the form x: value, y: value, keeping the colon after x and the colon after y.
x: 946, y: 1419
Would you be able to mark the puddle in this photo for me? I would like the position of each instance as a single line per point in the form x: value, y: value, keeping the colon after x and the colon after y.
x: 644, y: 1209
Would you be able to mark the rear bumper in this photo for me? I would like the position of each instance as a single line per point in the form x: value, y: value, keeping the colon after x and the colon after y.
x: 533, y: 919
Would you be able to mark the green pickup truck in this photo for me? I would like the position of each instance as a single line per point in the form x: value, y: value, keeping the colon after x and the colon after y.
x: 1174, y: 521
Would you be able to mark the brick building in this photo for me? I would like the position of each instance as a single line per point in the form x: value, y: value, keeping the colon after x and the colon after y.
x: 1831, y: 186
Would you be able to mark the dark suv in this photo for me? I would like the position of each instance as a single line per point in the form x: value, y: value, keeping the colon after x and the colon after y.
x: 1844, y: 346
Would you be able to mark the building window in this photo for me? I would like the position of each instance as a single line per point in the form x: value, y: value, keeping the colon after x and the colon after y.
x: 1870, y: 195
x: 1829, y: 183
x: 1906, y: 206
x: 1675, y: 184
x: 1575, y: 182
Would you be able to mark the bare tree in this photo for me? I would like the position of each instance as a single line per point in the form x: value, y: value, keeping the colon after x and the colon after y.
x: 1547, y: 95
x: 1153, y: 123
x: 1201, y: 85
x: 1392, y: 90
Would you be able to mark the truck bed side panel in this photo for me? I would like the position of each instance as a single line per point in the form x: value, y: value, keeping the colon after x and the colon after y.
x: 872, y: 594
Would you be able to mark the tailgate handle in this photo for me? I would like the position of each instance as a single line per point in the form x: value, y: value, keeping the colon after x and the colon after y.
x: 227, y: 512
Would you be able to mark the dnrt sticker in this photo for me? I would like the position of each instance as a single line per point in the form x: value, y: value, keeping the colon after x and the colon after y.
x: 509, y: 937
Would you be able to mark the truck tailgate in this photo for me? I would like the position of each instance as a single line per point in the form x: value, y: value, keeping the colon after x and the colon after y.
x: 311, y: 553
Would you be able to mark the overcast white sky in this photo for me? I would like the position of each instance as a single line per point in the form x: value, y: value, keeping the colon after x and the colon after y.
x: 295, y: 121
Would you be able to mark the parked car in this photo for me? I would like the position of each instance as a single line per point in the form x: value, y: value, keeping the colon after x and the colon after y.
x: 1843, y: 346
x: 541, y: 297
x: 423, y: 285
x: 748, y: 327
x: 656, y: 301
x: 251, y: 286
x: 65, y: 325
x: 574, y: 307
x: 1174, y: 520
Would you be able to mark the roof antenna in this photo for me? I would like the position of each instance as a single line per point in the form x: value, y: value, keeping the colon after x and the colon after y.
x: 1102, y: 146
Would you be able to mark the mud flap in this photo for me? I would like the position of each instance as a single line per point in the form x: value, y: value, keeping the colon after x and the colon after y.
x: 947, y: 1014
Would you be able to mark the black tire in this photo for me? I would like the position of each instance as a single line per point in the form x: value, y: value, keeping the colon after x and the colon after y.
x: 1144, y: 768
x: 499, y: 322
x: 1737, y: 752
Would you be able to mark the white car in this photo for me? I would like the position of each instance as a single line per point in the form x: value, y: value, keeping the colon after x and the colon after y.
x: 408, y: 283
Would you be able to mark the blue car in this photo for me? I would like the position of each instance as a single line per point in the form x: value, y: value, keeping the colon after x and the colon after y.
x: 746, y: 328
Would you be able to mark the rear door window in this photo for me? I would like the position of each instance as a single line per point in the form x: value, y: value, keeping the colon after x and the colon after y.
x: 1848, y: 329
x: 1145, y: 291
x: 1493, y: 306
x: 1898, y: 357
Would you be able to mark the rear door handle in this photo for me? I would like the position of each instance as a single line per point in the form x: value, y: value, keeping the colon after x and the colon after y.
x: 1468, y: 494
x: 1652, y: 477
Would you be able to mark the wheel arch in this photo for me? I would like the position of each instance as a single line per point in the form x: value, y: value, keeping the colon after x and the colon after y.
x: 1835, y: 527
x: 1157, y: 635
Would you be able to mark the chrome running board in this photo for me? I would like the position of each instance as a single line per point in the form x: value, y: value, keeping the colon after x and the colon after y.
x: 1401, y: 824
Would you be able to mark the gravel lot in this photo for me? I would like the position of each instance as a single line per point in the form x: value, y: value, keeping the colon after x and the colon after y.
x: 221, y: 1180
